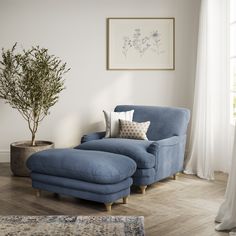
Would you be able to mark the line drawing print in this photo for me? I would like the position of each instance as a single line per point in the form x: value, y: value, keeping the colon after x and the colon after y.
x: 141, y: 44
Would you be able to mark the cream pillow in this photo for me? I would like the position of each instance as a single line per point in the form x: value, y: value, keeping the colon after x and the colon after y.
x: 133, y: 130
x: 112, y: 122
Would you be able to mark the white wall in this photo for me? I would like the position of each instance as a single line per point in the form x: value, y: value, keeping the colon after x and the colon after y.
x: 75, y: 30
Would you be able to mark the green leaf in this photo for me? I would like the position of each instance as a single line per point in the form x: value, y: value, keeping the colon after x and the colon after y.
x: 31, y: 81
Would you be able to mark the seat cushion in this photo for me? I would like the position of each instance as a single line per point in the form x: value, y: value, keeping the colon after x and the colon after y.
x: 91, y: 166
x: 135, y: 149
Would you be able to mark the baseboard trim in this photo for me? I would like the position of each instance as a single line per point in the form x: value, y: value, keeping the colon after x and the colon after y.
x: 4, y: 156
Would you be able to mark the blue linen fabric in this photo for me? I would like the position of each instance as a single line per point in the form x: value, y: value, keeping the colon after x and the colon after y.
x: 81, y: 185
x: 165, y: 121
x: 93, y: 136
x: 92, y: 175
x: 158, y: 158
x: 135, y: 149
x: 97, y: 197
x: 90, y: 166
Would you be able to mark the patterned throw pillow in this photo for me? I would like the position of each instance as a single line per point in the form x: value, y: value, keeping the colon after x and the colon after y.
x: 112, y: 122
x: 133, y: 130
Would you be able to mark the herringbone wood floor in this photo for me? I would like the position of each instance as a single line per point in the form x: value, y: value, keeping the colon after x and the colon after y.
x: 183, y: 207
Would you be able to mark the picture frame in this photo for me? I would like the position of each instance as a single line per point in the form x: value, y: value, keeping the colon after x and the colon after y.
x: 138, y: 43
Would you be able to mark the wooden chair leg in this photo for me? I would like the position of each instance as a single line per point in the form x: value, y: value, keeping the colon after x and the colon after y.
x: 108, y: 206
x: 175, y: 175
x: 143, y: 189
x: 38, y: 192
x: 125, y: 200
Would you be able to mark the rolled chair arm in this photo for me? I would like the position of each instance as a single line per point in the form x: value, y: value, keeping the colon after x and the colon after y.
x: 169, y: 155
x: 172, y: 141
x: 93, y: 136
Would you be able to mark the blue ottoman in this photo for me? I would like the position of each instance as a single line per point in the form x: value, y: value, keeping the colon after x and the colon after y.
x: 92, y: 175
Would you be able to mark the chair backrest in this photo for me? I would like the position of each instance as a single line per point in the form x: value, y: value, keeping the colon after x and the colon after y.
x: 165, y: 121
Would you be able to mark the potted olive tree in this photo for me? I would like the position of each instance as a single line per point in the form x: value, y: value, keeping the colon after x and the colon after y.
x: 30, y: 81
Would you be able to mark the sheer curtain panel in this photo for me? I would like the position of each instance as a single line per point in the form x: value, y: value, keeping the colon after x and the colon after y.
x: 211, y: 132
x: 227, y: 212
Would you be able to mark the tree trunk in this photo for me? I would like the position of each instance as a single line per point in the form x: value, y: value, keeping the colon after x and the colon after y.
x: 33, y: 139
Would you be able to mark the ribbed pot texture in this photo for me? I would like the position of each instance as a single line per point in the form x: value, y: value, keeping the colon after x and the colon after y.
x: 21, y: 151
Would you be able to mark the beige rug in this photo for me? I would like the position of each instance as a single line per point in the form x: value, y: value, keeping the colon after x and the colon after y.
x: 71, y: 225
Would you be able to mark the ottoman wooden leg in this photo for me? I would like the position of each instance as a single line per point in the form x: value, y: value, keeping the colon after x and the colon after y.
x: 108, y: 206
x: 143, y: 189
x: 125, y: 200
x: 38, y: 192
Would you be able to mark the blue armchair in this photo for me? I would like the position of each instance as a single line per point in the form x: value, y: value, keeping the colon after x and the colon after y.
x: 159, y: 157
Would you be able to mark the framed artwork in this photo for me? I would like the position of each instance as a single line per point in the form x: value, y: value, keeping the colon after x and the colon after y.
x: 140, y: 43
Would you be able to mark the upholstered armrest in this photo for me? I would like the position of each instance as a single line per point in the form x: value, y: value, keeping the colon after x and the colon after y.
x: 168, y: 152
x: 153, y: 148
x: 93, y: 136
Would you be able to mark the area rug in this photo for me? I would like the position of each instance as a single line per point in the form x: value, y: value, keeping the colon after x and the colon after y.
x: 72, y: 225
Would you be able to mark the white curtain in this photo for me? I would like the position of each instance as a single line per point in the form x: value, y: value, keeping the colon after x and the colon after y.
x: 227, y: 212
x: 210, y: 139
